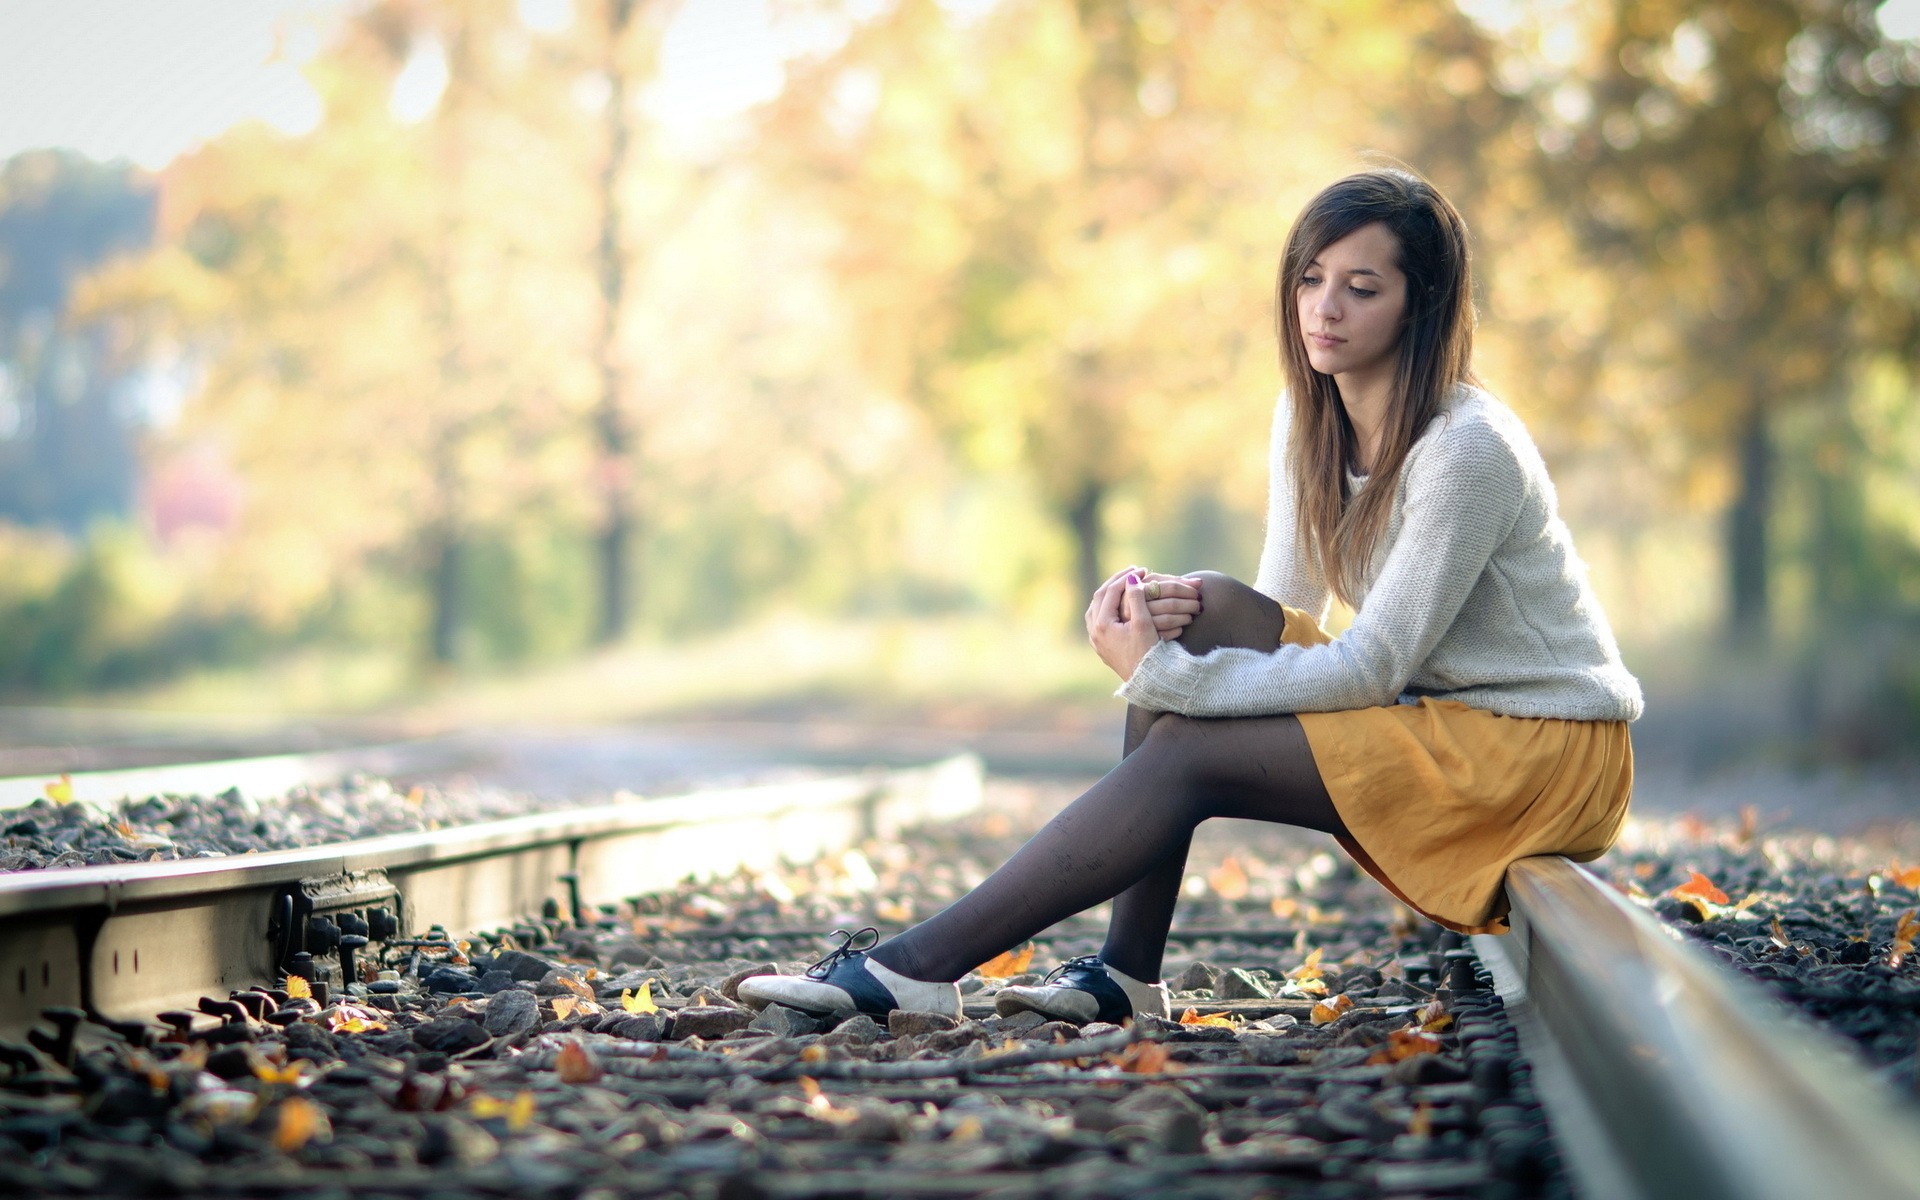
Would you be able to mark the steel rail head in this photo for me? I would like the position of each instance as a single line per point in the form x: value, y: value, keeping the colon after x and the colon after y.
x: 1704, y: 1087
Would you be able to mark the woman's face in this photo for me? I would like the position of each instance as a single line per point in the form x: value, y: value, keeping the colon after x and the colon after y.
x: 1350, y: 302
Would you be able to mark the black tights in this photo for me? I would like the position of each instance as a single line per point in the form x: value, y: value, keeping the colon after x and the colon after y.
x: 1126, y: 838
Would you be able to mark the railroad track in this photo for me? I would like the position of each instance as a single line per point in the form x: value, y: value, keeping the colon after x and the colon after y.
x: 1662, y: 1074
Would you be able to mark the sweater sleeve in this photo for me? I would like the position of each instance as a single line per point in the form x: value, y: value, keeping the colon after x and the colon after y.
x: 1286, y: 574
x: 1463, y: 497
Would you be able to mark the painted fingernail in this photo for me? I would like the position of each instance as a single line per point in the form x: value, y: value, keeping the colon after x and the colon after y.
x: 1132, y: 579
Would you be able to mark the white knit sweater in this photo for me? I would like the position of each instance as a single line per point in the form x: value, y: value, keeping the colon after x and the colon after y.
x: 1474, y: 594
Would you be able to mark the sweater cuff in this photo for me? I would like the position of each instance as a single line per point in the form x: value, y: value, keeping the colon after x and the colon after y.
x: 1164, y: 680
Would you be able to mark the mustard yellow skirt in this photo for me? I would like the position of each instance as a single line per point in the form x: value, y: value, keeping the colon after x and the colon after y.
x: 1439, y: 797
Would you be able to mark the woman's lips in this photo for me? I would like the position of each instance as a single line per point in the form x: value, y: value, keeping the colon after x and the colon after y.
x: 1324, y: 340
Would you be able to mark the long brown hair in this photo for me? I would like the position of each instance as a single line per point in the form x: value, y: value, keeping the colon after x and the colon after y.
x: 1435, y: 353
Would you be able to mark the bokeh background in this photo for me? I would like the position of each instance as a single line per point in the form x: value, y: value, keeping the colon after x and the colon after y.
x: 586, y: 360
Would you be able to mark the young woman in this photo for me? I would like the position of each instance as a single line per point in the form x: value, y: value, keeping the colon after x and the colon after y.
x: 1475, y: 711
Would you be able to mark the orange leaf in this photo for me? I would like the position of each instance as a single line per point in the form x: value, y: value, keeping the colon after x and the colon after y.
x: 1144, y: 1058
x: 1700, y: 888
x: 573, y: 985
x: 1405, y: 1043
x: 1229, y: 879
x: 1903, y: 938
x: 1328, y: 1011
x: 1006, y: 966
x: 1906, y: 877
x: 298, y: 988
x: 563, y: 1006
x: 1284, y: 907
x: 300, y: 1121
x: 1215, y: 1020
x: 577, y: 1064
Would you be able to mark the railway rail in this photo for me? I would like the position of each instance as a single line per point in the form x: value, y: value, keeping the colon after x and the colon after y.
x: 1661, y: 1074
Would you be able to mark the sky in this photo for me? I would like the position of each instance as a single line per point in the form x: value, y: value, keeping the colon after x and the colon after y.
x: 146, y: 80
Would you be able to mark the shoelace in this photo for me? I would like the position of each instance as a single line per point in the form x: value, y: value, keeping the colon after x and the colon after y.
x: 846, y: 949
x: 1084, y: 962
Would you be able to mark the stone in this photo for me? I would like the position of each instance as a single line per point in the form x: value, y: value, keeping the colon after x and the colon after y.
x: 1055, y: 1031
x: 708, y: 1021
x: 510, y: 1012
x: 1018, y: 1025
x: 521, y: 965
x: 781, y: 1021
x: 1242, y: 984
x: 640, y: 1026
x: 1198, y: 977
x: 447, y: 980
x: 450, y: 1035
x: 857, y: 1030
x: 493, y: 981
x: 707, y: 997
x: 905, y: 1023
x: 730, y: 986
x: 561, y: 981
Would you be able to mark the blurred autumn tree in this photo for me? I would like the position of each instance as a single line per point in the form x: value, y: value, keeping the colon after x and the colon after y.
x: 1743, y: 175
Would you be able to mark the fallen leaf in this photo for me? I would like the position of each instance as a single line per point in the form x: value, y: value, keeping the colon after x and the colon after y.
x: 640, y: 1001
x: 573, y: 985
x: 809, y: 1086
x: 1749, y: 824
x: 968, y: 1130
x: 517, y: 1111
x: 267, y: 1072
x: 812, y: 1054
x: 1643, y: 870
x: 563, y: 1006
x: 1906, y: 877
x: 1422, y: 1123
x: 300, y: 1121
x: 577, y: 1064
x: 1144, y: 1058
x: 1403, y: 1044
x: 1006, y: 966
x: 1229, y: 880
x: 1310, y: 969
x: 60, y: 791
x: 900, y: 912
x: 1434, y: 1017
x: 298, y: 988
x: 1904, y: 934
x: 1777, y: 934
x: 416, y: 795
x: 1328, y: 1011
x: 1284, y: 907
x: 1699, y: 888
x: 1212, y: 1020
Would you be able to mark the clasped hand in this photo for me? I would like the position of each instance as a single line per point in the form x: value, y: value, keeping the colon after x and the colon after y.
x: 1136, y: 608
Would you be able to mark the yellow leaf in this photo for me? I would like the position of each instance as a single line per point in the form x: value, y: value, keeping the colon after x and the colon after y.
x: 1284, y: 907
x: 298, y: 988
x: 1229, y: 879
x: 1328, y: 1011
x: 1215, y: 1020
x: 577, y: 1064
x: 814, y: 1054
x: 299, y: 1122
x: 1434, y: 1017
x: 339, y: 1024
x: 267, y: 1072
x: 1006, y: 966
x: 809, y: 1086
x: 1699, y: 888
x: 60, y: 791
x: 563, y: 1006
x: 1310, y: 969
x: 968, y: 1130
x: 574, y: 985
x: 517, y: 1111
x: 640, y: 1001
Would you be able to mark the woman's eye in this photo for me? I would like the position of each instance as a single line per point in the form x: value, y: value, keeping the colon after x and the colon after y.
x: 1363, y: 293
x: 1309, y: 281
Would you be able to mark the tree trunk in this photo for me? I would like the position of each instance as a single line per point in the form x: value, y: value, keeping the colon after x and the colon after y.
x: 445, y: 570
x: 1747, y: 528
x: 618, y: 522
x: 1083, y: 517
